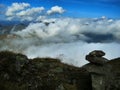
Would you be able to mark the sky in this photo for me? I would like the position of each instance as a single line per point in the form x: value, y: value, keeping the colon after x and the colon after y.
x: 72, y: 8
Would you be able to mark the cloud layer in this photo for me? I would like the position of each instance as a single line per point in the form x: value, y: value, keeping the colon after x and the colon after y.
x: 70, y: 29
x: 69, y: 39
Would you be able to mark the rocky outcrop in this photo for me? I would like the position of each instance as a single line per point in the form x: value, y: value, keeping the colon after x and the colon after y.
x: 104, y: 73
x: 17, y: 72
x: 115, y: 70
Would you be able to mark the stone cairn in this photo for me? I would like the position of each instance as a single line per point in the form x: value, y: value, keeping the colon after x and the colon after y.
x: 96, y: 57
x: 99, y: 69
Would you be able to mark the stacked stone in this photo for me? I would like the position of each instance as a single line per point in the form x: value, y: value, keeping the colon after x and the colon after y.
x: 99, y: 69
x: 96, y: 57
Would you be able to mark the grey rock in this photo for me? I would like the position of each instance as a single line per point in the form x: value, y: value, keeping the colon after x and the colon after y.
x: 103, y: 72
x: 95, y: 57
x: 97, y: 53
x: 100, y: 74
x: 96, y: 60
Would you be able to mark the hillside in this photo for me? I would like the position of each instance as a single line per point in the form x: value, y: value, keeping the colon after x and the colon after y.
x: 17, y: 72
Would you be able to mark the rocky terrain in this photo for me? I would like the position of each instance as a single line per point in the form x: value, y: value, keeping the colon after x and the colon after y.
x: 17, y: 72
x: 105, y: 74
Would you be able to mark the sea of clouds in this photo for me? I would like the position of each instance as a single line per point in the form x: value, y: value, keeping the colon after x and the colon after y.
x: 69, y: 39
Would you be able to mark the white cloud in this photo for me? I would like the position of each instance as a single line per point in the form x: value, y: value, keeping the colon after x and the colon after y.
x: 72, y: 53
x: 39, y: 18
x: 29, y: 14
x: 16, y: 7
x: 55, y: 9
x: 30, y: 11
x: 24, y: 11
x: 67, y: 29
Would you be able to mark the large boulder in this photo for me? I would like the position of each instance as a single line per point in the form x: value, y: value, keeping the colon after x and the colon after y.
x: 105, y: 74
x: 101, y: 75
x: 115, y: 71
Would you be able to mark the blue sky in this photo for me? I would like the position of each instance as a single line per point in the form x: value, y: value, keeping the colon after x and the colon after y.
x: 75, y: 8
